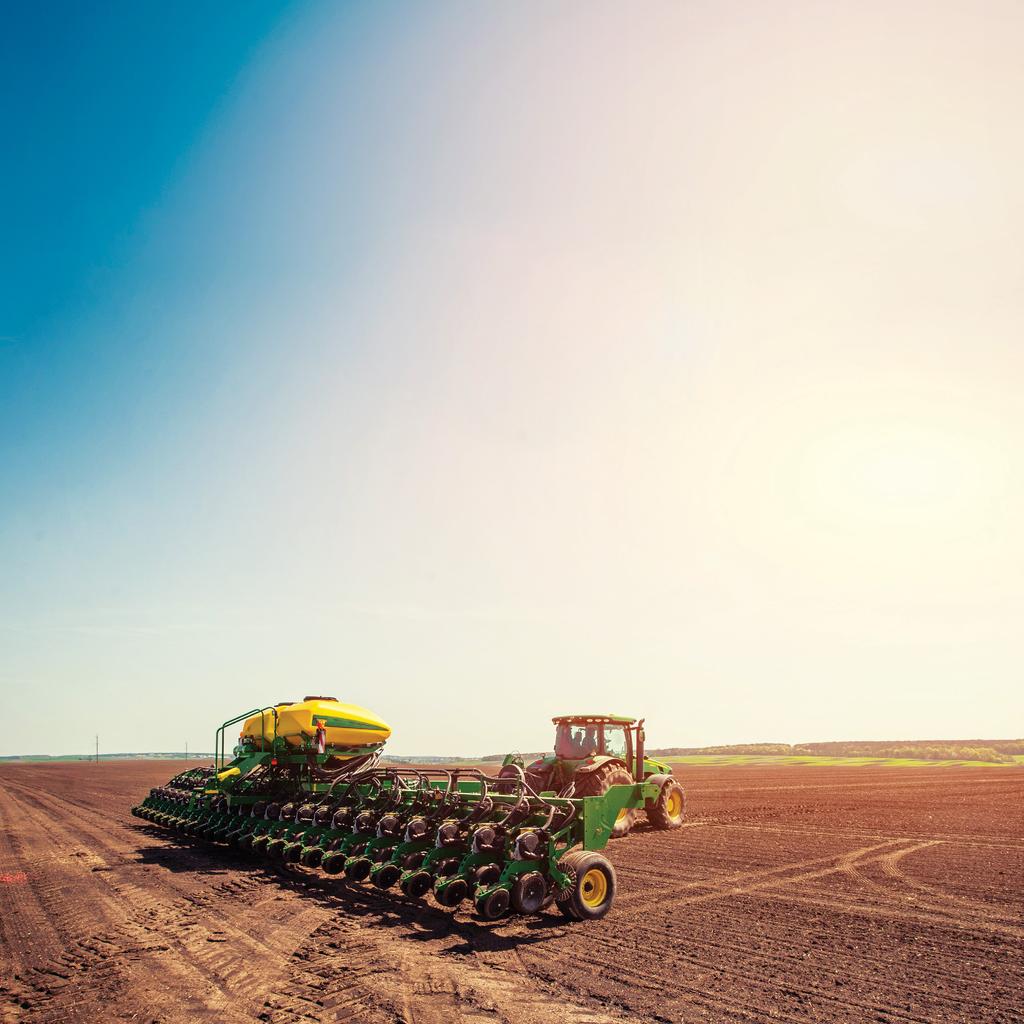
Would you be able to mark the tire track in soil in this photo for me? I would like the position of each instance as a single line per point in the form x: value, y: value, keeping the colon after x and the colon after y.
x: 852, y: 974
x: 22, y: 921
x: 231, y: 962
x: 374, y: 970
x: 954, y: 839
x: 771, y: 880
x: 851, y: 864
x: 958, y: 908
x: 733, y: 883
x: 282, y: 937
x: 810, y: 991
x: 767, y: 1006
x: 889, y: 910
x: 317, y: 987
x: 695, y: 990
x: 95, y: 957
x: 65, y: 947
x: 713, y: 956
x: 329, y: 981
x: 894, y: 869
x: 737, y: 939
x: 339, y: 978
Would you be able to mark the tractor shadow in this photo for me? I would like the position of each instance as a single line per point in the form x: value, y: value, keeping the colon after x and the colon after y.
x: 414, y: 920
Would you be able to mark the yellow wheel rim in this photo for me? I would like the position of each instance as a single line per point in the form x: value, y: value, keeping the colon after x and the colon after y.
x: 674, y: 804
x: 622, y: 814
x: 594, y: 888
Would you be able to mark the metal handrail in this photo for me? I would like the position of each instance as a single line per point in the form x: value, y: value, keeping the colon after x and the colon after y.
x: 218, y: 743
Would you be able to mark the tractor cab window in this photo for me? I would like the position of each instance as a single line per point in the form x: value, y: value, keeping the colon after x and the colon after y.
x: 565, y: 746
x: 576, y: 742
x: 615, y: 741
x: 588, y: 741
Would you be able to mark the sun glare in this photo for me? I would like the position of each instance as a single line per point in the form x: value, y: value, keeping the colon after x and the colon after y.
x: 929, y: 477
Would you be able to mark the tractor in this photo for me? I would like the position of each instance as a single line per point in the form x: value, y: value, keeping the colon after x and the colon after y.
x: 593, y: 752
x: 304, y: 788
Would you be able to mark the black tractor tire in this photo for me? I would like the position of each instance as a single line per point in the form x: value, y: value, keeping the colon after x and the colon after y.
x: 509, y: 777
x: 591, y: 888
x: 596, y: 783
x: 510, y: 780
x: 668, y: 809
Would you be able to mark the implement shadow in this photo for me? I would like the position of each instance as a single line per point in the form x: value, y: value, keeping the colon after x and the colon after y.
x: 420, y: 920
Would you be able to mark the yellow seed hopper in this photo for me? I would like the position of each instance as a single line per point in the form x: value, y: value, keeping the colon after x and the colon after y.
x: 346, y: 725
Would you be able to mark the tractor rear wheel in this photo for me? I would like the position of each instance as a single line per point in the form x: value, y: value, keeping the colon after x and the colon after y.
x: 596, y: 783
x: 509, y: 776
x: 510, y: 780
x: 591, y: 888
x: 668, y: 809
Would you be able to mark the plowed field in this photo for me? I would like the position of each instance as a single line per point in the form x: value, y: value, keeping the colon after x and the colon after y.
x: 793, y: 894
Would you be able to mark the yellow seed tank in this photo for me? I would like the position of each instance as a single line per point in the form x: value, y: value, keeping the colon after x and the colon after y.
x: 347, y: 725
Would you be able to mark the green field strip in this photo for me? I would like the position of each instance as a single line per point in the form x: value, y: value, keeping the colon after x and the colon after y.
x: 797, y: 760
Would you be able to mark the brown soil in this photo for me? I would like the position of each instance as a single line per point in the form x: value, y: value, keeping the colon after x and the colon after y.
x: 793, y: 894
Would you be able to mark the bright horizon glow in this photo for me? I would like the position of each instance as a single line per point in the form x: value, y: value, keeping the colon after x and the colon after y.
x: 482, y: 364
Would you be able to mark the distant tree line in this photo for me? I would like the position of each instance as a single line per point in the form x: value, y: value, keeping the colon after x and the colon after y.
x: 729, y: 748
x: 995, y: 751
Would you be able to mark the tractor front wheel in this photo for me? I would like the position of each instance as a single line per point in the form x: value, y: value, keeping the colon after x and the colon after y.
x: 668, y: 809
x: 596, y: 783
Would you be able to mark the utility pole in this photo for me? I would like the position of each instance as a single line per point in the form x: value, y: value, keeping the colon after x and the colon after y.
x: 97, y: 749
x: 186, y: 750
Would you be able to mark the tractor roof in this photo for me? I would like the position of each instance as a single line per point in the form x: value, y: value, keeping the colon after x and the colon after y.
x: 594, y: 719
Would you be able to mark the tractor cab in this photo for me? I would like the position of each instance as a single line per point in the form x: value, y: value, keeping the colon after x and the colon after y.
x: 593, y: 753
x: 579, y: 737
x: 593, y: 745
x: 586, y: 741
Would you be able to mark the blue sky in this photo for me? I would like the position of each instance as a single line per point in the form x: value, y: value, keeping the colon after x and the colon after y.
x: 518, y: 358
x: 104, y: 108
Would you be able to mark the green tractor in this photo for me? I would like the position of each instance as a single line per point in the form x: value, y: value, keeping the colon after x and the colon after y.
x: 594, y: 752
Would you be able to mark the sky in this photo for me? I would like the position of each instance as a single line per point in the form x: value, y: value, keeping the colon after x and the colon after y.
x: 481, y: 363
